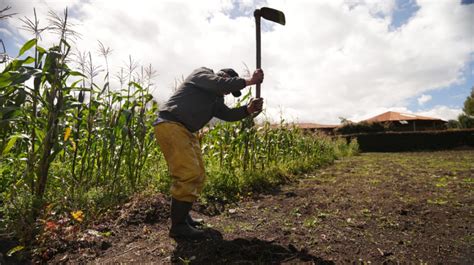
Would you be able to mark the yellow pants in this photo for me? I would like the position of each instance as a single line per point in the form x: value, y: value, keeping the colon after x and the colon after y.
x: 183, y: 155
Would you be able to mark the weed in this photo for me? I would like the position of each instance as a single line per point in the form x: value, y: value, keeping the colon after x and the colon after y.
x: 311, y: 222
x: 366, y: 212
x: 296, y: 212
x: 438, y: 201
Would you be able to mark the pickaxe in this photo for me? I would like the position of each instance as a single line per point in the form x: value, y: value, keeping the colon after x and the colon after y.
x: 268, y: 14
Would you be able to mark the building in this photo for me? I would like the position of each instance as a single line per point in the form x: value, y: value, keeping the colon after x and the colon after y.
x: 396, y: 121
x: 314, y: 127
x: 311, y: 127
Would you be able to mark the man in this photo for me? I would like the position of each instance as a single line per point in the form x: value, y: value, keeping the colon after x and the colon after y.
x: 198, y: 99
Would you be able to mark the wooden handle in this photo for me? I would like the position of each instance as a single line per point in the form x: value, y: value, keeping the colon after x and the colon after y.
x: 259, y: 59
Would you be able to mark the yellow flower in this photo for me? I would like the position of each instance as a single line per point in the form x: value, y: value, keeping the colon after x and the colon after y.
x: 78, y: 215
x: 67, y: 133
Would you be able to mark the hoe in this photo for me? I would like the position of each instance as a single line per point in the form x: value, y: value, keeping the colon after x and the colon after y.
x: 268, y: 14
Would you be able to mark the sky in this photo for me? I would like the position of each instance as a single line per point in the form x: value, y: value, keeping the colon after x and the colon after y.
x: 334, y: 58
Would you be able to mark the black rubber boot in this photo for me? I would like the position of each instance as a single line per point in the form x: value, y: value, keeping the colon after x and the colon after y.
x: 194, y: 222
x: 179, y: 227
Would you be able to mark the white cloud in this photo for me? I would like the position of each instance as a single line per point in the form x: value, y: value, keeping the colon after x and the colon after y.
x: 442, y: 112
x: 375, y: 7
x: 423, y: 99
x: 332, y: 59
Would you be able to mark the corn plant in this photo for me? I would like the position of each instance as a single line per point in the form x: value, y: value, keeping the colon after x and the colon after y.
x: 61, y: 134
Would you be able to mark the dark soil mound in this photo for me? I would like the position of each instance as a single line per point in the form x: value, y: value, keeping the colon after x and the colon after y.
x: 144, y: 209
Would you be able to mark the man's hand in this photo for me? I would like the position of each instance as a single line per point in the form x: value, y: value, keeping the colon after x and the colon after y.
x: 257, y: 78
x: 255, y: 105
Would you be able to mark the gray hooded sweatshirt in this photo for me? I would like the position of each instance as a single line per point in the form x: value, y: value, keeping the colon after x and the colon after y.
x: 200, y: 98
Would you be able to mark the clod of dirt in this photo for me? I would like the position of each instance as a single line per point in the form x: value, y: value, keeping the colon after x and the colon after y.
x: 143, y: 209
x: 210, y: 208
x: 403, y: 212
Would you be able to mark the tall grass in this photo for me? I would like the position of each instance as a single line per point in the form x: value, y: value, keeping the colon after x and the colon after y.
x: 68, y: 143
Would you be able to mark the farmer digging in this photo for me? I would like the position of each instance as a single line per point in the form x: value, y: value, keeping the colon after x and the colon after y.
x: 198, y: 99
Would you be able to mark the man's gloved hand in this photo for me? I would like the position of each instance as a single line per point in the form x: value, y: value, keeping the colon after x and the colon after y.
x: 255, y: 105
x: 257, y: 78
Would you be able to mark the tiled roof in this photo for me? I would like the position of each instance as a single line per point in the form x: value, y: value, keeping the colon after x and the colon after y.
x: 308, y: 126
x: 396, y: 116
x: 315, y: 126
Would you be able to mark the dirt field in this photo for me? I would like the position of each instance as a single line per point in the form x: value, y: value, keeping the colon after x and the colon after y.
x: 375, y: 207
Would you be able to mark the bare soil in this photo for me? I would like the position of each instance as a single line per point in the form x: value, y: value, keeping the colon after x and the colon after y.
x: 382, y: 208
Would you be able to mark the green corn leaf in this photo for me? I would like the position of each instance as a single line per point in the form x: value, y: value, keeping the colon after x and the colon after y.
x: 14, y: 250
x: 73, y: 85
x: 50, y: 60
x: 84, y: 89
x: 96, y: 87
x: 39, y: 134
x: 10, y: 144
x: 5, y: 79
x: 4, y: 122
x: 76, y: 73
x: 41, y: 53
x: 20, y: 98
x: 135, y: 84
x: 17, y: 64
x: 106, y: 85
x: 68, y: 46
x: 8, y: 111
x: 21, y: 78
x: 27, y: 46
x: 40, y: 49
x: 37, y: 82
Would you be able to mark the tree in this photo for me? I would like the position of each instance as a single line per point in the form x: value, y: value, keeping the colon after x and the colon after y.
x: 453, y: 124
x: 345, y: 121
x: 466, y: 119
x: 469, y: 104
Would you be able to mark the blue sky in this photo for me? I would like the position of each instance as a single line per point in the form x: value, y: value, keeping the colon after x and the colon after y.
x: 453, y: 95
x: 334, y: 58
x: 404, y: 10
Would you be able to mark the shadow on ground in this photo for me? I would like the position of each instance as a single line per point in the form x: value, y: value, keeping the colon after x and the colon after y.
x: 215, y: 250
x: 5, y: 246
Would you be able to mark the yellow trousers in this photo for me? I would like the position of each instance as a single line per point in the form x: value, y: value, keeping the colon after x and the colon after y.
x: 182, y: 152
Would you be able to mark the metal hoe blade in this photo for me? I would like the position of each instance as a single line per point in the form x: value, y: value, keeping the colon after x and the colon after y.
x: 272, y: 15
